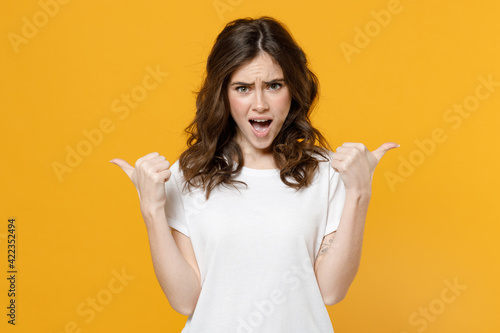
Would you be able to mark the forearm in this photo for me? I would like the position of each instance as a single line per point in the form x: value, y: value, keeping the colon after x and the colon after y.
x: 176, y: 277
x: 338, y: 261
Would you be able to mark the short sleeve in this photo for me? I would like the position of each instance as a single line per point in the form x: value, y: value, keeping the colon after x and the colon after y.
x: 336, y: 200
x: 174, y: 207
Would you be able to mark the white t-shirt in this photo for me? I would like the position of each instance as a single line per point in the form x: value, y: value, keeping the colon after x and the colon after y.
x: 256, y: 248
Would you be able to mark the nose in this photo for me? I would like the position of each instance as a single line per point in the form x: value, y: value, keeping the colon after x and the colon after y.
x: 260, y: 103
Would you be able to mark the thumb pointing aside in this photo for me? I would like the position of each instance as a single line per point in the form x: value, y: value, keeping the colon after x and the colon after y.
x: 384, y: 148
x: 148, y: 176
x: 127, y: 168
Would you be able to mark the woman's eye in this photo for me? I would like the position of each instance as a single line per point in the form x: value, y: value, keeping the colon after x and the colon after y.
x: 273, y: 86
x: 238, y: 88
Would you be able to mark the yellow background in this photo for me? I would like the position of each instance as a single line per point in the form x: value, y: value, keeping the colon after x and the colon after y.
x: 437, y: 222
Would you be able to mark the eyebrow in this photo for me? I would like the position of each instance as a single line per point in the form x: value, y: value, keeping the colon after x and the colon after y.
x: 251, y: 84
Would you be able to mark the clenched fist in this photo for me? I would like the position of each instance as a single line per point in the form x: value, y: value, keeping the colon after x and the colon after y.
x: 149, y: 177
x: 356, y: 164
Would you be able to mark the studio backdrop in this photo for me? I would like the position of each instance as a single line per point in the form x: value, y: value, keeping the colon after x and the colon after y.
x: 83, y: 82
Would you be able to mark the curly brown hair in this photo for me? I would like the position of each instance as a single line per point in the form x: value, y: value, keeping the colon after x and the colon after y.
x: 212, y: 156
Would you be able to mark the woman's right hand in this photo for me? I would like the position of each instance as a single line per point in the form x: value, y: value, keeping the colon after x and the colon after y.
x: 149, y: 177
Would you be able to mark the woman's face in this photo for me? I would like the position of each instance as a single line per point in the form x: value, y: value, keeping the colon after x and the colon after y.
x: 257, y: 90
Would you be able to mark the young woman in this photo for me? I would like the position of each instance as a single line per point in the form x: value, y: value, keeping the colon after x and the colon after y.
x: 255, y: 227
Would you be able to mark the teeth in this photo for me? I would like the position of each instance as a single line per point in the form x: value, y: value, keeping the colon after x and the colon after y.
x: 260, y: 121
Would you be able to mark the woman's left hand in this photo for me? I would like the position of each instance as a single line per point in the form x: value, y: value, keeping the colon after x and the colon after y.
x: 356, y: 164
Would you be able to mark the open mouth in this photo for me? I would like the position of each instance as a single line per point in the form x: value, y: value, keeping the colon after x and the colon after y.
x: 261, y: 125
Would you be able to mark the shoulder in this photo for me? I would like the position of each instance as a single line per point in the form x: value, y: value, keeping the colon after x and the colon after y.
x: 324, y: 171
x: 174, y: 166
x: 177, y: 175
x: 325, y: 157
x: 325, y: 163
x: 175, y: 172
x: 174, y: 169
